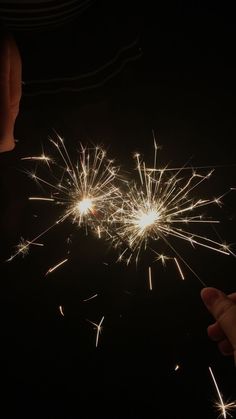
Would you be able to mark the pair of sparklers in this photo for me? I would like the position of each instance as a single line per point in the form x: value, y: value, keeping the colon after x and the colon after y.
x: 134, y: 215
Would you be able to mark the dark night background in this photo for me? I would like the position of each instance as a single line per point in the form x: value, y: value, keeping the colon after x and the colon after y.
x: 172, y: 71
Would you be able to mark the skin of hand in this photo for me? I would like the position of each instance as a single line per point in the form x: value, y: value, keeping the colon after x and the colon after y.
x: 223, y: 309
x: 10, y: 90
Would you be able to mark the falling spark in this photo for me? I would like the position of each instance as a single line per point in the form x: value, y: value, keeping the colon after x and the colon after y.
x: 150, y: 277
x: 53, y: 268
x: 179, y: 268
x: 161, y: 206
x: 84, y: 189
x: 61, y: 311
x: 221, y: 406
x: 177, y: 367
x: 98, y: 328
x: 39, y: 198
x: 90, y: 298
x: 38, y: 158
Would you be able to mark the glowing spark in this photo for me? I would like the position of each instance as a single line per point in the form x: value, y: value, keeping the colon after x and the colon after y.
x: 150, y: 277
x: 23, y: 248
x: 38, y: 198
x: 99, y: 232
x: 38, y: 158
x: 162, y: 258
x: 53, y: 268
x: 90, y: 298
x: 177, y: 367
x: 179, y: 268
x: 61, y: 311
x: 98, y: 328
x: 223, y: 408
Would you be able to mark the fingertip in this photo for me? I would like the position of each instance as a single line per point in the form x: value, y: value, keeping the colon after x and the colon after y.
x: 209, y: 295
x: 215, y: 332
x: 225, y: 348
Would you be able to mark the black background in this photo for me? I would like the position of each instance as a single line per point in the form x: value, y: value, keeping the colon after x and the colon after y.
x: 182, y: 86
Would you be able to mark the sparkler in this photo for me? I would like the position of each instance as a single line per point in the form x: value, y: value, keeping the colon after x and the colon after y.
x: 160, y: 206
x: 223, y: 408
x: 85, y: 189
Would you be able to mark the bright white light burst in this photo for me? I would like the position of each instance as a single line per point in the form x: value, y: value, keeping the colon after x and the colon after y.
x: 159, y: 206
x: 84, y: 187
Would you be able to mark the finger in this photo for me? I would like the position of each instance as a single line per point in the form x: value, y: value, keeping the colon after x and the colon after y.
x: 225, y: 347
x: 223, y: 310
x: 215, y: 332
x: 232, y: 297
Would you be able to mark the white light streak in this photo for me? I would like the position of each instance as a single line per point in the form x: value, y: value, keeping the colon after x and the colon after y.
x: 179, y: 268
x: 61, y: 311
x: 53, y: 268
x: 98, y: 328
x: 150, y: 277
x: 90, y: 298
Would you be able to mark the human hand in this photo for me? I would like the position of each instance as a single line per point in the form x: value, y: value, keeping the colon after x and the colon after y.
x: 10, y: 91
x: 223, y: 309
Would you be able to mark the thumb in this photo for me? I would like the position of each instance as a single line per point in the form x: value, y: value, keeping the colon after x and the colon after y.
x: 223, y: 310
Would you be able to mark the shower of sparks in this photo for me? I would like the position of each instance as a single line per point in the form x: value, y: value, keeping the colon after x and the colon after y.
x: 147, y: 214
x: 85, y: 189
x: 223, y: 408
x: 159, y: 206
x: 53, y: 268
x: 98, y: 328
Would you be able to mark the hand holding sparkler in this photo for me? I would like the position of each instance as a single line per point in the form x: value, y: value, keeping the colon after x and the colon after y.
x: 10, y: 91
x: 223, y: 309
